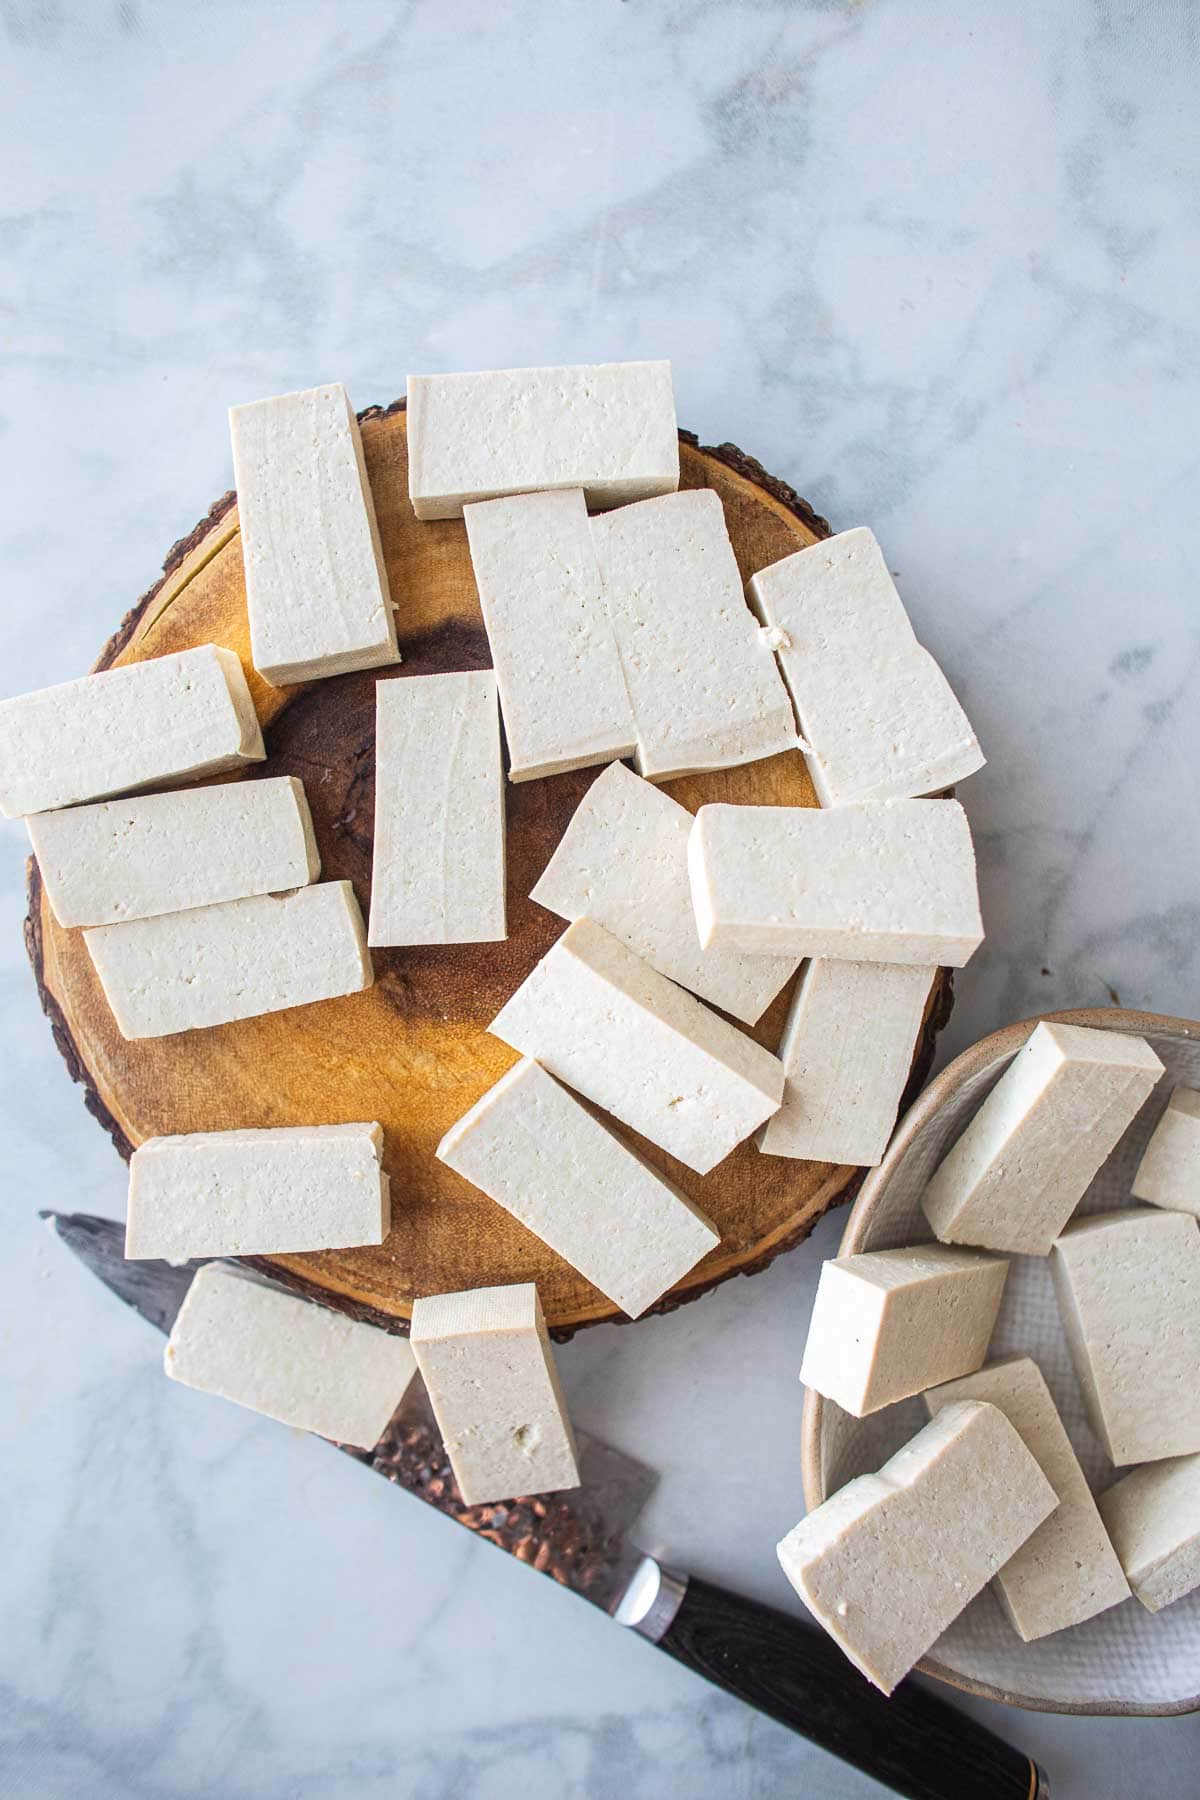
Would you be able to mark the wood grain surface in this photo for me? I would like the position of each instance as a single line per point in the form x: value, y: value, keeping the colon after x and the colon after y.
x: 413, y: 1051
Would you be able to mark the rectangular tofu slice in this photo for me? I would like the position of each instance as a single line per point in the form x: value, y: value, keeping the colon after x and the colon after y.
x: 608, y: 428
x: 602, y: 1020
x: 890, y: 1560
x: 1153, y: 1517
x: 888, y: 882
x: 438, y: 873
x: 257, y: 1193
x: 542, y: 1156
x: 1023, y: 1164
x: 1068, y: 1570
x: 160, y: 853
x: 181, y: 971
x: 282, y: 1355
x: 1169, y: 1172
x: 494, y: 1389
x: 705, y: 688
x: 147, y: 724
x: 847, y: 1051
x: 879, y: 715
x: 890, y: 1323
x: 623, y: 862
x: 1128, y: 1286
x: 562, y: 692
x: 316, y: 582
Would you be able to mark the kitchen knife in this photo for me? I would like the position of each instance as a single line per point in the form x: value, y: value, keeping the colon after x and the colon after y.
x: 913, y: 1742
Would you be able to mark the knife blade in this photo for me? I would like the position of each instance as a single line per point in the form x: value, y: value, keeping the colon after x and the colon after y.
x: 913, y: 1742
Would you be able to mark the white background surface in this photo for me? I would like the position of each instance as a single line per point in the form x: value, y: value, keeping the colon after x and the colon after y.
x: 933, y: 263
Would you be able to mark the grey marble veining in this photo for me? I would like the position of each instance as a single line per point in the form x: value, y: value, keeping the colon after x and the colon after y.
x: 933, y: 263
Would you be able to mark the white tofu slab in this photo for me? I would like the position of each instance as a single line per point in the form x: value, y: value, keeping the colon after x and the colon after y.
x: 257, y: 1193
x: 1169, y: 1172
x: 890, y: 1560
x: 562, y: 692
x: 160, y: 853
x: 490, y: 1374
x: 602, y: 1020
x: 181, y: 971
x: 1153, y: 1516
x: 1128, y: 1286
x: 1024, y: 1162
x: 175, y: 718
x: 880, y: 717
x: 623, y: 861
x: 1068, y: 1570
x: 284, y: 1356
x: 847, y: 1051
x: 888, y: 882
x: 705, y: 688
x: 316, y: 582
x: 608, y: 428
x: 889, y: 1323
x: 438, y: 874
x: 534, y: 1149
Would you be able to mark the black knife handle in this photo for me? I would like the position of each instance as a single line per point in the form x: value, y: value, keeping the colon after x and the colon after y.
x: 913, y: 1742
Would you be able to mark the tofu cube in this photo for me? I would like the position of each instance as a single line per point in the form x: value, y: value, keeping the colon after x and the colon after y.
x: 280, y: 1354
x: 495, y: 1393
x: 257, y: 1193
x: 608, y: 428
x: 890, y: 882
x: 1169, y: 1172
x: 535, y: 1150
x: 1128, y: 1286
x: 145, y: 724
x: 890, y: 1560
x: 1068, y: 1570
x: 890, y: 1323
x: 1025, y: 1160
x: 1153, y: 1517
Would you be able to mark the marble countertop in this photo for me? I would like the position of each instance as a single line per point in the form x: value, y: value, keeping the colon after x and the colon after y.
x: 934, y: 264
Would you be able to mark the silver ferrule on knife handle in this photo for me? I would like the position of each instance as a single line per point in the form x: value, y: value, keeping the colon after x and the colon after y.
x: 651, y: 1600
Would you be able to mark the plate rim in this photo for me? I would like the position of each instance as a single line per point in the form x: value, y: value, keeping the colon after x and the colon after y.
x: 987, y: 1050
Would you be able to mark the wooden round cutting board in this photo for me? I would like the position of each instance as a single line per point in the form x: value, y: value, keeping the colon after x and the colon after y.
x: 413, y: 1051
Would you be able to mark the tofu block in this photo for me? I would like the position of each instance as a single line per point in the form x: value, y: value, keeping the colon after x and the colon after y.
x: 160, y: 853
x: 608, y: 428
x: 257, y: 1193
x: 602, y: 1020
x: 890, y: 1560
x: 316, y: 582
x: 145, y: 724
x: 623, y: 862
x: 181, y: 971
x: 847, y: 1052
x: 1128, y: 1286
x: 439, y: 865
x: 890, y: 1323
x: 1025, y: 1161
x: 1153, y: 1517
x: 562, y: 692
x: 889, y: 882
x: 705, y: 688
x: 283, y: 1355
x: 1169, y: 1172
x: 534, y: 1149
x: 495, y: 1394
x: 1068, y: 1570
x: 880, y: 717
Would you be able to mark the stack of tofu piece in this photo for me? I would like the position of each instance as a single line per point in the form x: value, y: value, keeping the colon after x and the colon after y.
x: 619, y: 629
x: 992, y: 1487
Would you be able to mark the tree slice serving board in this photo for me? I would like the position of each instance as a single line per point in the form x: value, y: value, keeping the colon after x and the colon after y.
x: 413, y: 1051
